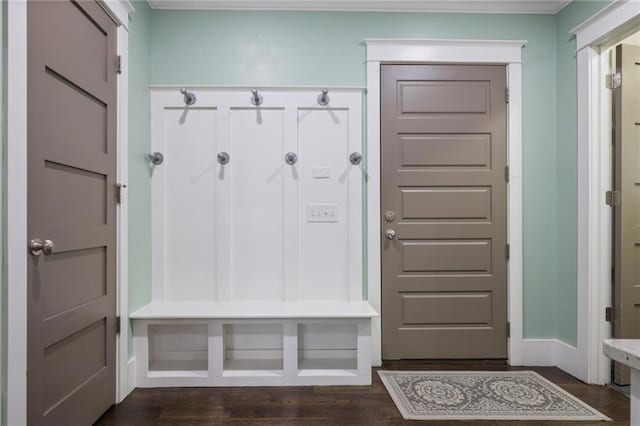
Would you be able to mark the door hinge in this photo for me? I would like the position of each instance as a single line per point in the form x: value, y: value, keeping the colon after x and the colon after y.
x: 118, y: 327
x: 507, y: 95
x: 613, y: 81
x: 506, y: 174
x: 119, y: 188
x: 507, y: 251
x: 508, y: 329
x: 119, y: 64
x: 608, y: 314
x: 612, y: 198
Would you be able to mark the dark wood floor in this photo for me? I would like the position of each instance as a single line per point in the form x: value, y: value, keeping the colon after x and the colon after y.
x: 334, y: 405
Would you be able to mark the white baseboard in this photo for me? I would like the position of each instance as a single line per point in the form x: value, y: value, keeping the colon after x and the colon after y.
x: 131, y: 375
x: 551, y: 353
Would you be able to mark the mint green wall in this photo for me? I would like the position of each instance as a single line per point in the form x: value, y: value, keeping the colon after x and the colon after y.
x: 139, y: 137
x: 567, y: 172
x: 325, y: 48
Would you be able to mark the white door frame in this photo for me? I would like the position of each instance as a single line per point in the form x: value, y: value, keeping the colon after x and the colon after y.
x: 602, y: 30
x: 14, y: 319
x: 504, y: 52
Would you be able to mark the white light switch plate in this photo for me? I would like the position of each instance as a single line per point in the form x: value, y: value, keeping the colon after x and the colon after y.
x: 320, y: 173
x: 327, y: 213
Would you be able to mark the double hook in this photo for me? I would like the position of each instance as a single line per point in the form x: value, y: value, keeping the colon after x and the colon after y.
x: 189, y: 97
x: 256, y: 99
x: 323, y: 98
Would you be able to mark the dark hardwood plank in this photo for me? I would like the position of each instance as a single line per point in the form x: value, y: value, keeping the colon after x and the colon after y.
x: 330, y: 405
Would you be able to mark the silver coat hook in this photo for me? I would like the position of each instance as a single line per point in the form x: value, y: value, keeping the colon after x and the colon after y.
x: 156, y: 158
x: 224, y: 158
x: 189, y: 97
x: 290, y: 158
x: 323, y: 98
x: 256, y: 99
x: 355, y: 158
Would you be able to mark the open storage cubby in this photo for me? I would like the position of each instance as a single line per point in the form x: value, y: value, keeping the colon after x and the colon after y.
x: 253, y: 349
x: 179, y: 348
x: 331, y: 347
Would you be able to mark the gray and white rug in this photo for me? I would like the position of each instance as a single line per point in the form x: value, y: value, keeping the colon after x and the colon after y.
x: 483, y: 395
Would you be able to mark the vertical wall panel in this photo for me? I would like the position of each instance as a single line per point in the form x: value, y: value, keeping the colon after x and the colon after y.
x: 190, y: 171
x: 324, y: 144
x: 257, y: 173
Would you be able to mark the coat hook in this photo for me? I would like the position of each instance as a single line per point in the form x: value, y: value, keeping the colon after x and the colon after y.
x: 156, y: 158
x: 290, y: 158
x: 355, y: 158
x: 323, y: 98
x: 189, y: 97
x: 224, y: 158
x: 256, y: 99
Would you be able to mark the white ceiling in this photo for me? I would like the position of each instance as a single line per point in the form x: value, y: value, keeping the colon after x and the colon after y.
x: 458, y: 6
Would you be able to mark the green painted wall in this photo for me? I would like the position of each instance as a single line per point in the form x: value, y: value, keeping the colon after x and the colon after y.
x: 139, y: 185
x: 567, y: 172
x: 325, y: 48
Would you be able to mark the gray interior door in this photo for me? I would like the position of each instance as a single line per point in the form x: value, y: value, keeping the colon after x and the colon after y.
x: 626, y: 247
x: 444, y: 211
x: 71, y: 102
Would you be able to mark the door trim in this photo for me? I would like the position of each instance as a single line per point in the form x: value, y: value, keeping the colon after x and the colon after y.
x: 14, y: 298
x: 495, y: 52
x: 602, y: 30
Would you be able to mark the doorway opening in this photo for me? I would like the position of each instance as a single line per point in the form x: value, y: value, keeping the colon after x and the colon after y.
x: 623, y: 80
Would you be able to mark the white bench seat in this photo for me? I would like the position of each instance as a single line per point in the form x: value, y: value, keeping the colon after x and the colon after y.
x: 254, y: 310
x: 627, y: 352
x: 201, y: 343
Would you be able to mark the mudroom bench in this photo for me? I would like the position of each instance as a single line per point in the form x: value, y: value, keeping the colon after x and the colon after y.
x: 252, y: 343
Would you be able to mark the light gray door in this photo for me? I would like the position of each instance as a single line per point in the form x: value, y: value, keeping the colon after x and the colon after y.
x: 444, y: 211
x: 626, y: 247
x: 71, y: 102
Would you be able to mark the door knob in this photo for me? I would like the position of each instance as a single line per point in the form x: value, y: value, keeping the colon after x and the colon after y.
x: 390, y: 234
x: 37, y: 247
x: 389, y: 216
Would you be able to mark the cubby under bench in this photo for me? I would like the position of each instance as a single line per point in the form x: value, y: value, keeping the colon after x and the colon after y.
x: 252, y: 343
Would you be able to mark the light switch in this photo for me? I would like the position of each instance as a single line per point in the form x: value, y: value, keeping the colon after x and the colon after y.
x: 322, y: 213
x: 320, y: 173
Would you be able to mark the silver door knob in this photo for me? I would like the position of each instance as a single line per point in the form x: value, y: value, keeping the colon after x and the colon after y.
x: 389, y: 216
x: 390, y: 234
x: 37, y: 247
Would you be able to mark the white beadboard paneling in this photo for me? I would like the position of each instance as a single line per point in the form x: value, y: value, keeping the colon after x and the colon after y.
x: 190, y: 170
x: 257, y: 174
x: 324, y: 260
x: 239, y: 231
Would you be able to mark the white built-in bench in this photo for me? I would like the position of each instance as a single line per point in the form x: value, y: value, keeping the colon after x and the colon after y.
x: 253, y: 343
x: 627, y: 352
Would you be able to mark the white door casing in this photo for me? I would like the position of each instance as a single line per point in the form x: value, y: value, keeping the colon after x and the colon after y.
x: 607, y: 27
x: 505, y: 52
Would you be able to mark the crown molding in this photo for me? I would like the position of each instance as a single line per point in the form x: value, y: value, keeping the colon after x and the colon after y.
x: 438, y: 6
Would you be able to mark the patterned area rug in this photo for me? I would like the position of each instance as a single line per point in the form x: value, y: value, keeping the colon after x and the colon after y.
x: 481, y: 395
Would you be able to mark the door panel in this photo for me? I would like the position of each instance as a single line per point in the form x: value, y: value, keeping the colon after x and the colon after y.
x: 626, y: 293
x: 71, y: 201
x: 444, y: 290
